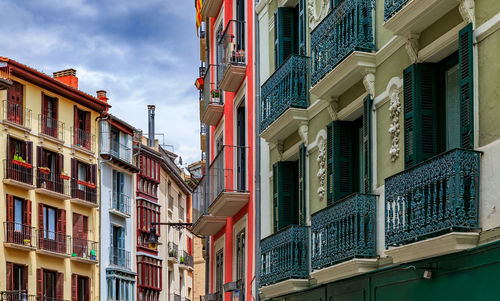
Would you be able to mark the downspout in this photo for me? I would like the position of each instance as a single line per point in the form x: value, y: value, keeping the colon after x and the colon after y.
x: 257, y: 154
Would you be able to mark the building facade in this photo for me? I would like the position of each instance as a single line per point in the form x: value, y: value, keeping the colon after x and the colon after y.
x: 50, y: 185
x: 379, y: 129
x: 117, y: 174
x: 223, y: 202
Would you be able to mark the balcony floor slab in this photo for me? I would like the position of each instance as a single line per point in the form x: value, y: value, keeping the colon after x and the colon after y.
x: 53, y: 254
x: 84, y: 203
x: 210, y: 8
x: 288, y: 123
x: 83, y: 260
x: 18, y: 184
x: 19, y: 246
x: 227, y: 204
x: 441, y: 245
x: 349, y: 269
x: 118, y: 213
x: 208, y: 225
x: 213, y: 114
x: 233, y: 77
x: 52, y: 194
x: 284, y: 288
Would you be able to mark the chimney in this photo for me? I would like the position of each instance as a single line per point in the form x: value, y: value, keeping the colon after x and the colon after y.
x: 101, y: 94
x: 151, y: 125
x: 68, y: 77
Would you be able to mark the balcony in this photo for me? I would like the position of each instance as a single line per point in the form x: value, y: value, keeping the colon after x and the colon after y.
x: 84, y: 193
x: 287, y: 90
x: 210, y: 8
x: 17, y: 296
x: 404, y: 17
x: 173, y: 250
x: 343, y: 239
x: 284, y: 260
x: 52, y: 184
x: 186, y: 261
x: 16, y: 115
x: 205, y: 224
x: 341, y: 47
x: 53, y: 243
x: 119, y: 257
x: 51, y: 128
x: 437, y: 200
x: 5, y: 76
x: 227, y: 181
x: 84, y: 250
x: 18, y: 173
x: 83, y: 141
x: 212, y: 104
x: 19, y: 236
x: 120, y: 204
x: 233, y: 62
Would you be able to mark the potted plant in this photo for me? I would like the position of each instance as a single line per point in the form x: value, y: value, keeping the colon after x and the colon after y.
x: 215, y: 93
x: 45, y: 170
x: 181, y: 259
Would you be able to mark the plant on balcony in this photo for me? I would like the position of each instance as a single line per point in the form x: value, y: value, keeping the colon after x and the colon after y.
x: 64, y: 175
x: 181, y: 259
x: 45, y: 170
x: 215, y: 93
x: 91, y: 185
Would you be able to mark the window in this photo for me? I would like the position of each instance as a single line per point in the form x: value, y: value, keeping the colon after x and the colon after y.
x: 80, y: 288
x: 118, y: 188
x: 82, y: 174
x: 49, y: 223
x: 82, y: 128
x: 49, y: 116
x: 241, y: 150
x: 52, y: 229
x: 50, y: 284
x: 240, y: 25
x: 115, y: 142
x: 17, y: 278
x: 219, y: 271
x: 147, y: 212
x: 15, y: 103
x: 18, y: 224
x: 289, y: 32
x: 118, y: 246
x: 81, y: 246
x: 49, y: 170
x: 18, y: 213
x: 83, y: 182
x: 120, y: 286
x: 150, y: 272
x: 240, y: 263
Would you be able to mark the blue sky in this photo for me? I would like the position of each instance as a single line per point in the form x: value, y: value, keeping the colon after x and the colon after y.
x: 141, y: 52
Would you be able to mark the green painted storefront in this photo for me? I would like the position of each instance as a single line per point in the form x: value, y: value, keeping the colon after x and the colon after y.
x: 468, y: 275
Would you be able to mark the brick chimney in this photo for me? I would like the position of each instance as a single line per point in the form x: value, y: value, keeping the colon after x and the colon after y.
x: 68, y: 77
x: 101, y: 94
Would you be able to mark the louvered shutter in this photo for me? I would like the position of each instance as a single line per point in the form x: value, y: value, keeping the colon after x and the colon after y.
x: 75, y: 125
x: 465, y: 57
x: 27, y: 214
x: 285, y: 40
x: 10, y: 276
x: 367, y: 147
x: 343, y: 156
x: 39, y: 282
x: 39, y: 162
x: 74, y: 176
x: 74, y: 287
x: 61, y: 230
x: 29, y: 152
x: 420, y: 113
x: 10, y: 208
x: 60, y: 286
x: 329, y: 164
x: 60, y: 164
x: 302, y: 182
x: 24, y: 285
x: 285, y: 177
x: 85, y: 230
x: 302, y: 27
x: 121, y: 238
x: 87, y: 280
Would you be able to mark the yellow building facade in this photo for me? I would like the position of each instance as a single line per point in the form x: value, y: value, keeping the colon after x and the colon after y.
x: 50, y: 185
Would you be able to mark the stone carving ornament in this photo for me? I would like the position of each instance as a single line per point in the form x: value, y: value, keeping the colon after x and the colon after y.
x: 394, y: 129
x: 317, y: 9
x: 321, y: 168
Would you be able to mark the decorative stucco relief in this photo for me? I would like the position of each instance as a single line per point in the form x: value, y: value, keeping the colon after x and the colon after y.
x: 317, y: 9
x: 394, y: 129
x: 321, y: 168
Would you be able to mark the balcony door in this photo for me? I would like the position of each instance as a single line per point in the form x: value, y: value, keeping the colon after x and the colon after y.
x: 49, y: 115
x: 118, y: 245
x: 17, y: 280
x: 240, y: 25
x: 240, y: 263
x: 82, y: 128
x: 80, y: 230
x: 15, y: 103
x: 240, y: 150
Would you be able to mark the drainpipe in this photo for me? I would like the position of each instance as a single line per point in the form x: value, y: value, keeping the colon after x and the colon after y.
x: 257, y: 154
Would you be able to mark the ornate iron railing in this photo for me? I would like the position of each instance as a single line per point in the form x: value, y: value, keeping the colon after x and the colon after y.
x: 16, y: 296
x: 84, y: 248
x: 199, y: 199
x: 18, y: 170
x: 83, y: 191
x: 173, y: 249
x: 119, y: 257
x: 186, y: 259
x: 233, y: 45
x: 348, y: 27
x: 437, y: 196
x: 16, y: 113
x: 391, y: 7
x: 53, y: 241
x: 121, y: 202
x: 284, y: 255
x: 52, y: 181
x: 51, y: 127
x: 83, y: 139
x: 344, y: 231
x: 288, y: 87
x: 19, y: 234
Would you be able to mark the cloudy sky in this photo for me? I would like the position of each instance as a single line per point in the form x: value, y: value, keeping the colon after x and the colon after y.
x: 141, y: 52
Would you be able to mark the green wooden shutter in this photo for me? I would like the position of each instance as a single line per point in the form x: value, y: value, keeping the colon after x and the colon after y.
x: 302, y: 27
x: 465, y: 58
x: 329, y: 164
x: 302, y: 175
x: 367, y: 147
x: 284, y: 34
x: 343, y: 156
x: 285, y: 194
x: 420, y: 113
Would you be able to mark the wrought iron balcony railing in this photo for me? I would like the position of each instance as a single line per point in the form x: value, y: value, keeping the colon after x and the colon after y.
x: 284, y: 255
x: 84, y: 191
x: 19, y: 234
x: 344, y: 231
x: 199, y: 198
x: 186, y: 259
x: 434, y: 197
x: 52, y: 181
x: 83, y: 139
x: 53, y: 241
x: 17, y: 114
x: 232, y: 45
x: 227, y: 171
x: 16, y: 296
x: 173, y: 249
x: 288, y: 87
x: 121, y: 202
x: 84, y: 248
x: 50, y: 127
x: 119, y: 257
x: 19, y: 171
x: 211, y: 91
x: 348, y: 27
x: 391, y: 7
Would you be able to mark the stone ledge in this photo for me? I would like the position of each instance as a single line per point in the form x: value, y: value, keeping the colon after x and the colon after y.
x: 284, y: 287
x: 349, y: 269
